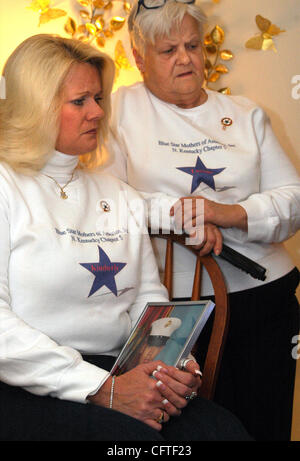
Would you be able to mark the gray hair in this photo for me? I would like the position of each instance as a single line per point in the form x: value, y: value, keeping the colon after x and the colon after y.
x: 29, y: 116
x: 151, y: 23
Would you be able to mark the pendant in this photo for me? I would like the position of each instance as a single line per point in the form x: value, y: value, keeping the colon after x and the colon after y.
x: 226, y: 121
x: 63, y: 195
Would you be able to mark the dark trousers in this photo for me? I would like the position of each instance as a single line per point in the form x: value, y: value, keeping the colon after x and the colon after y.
x: 257, y: 375
x: 27, y: 417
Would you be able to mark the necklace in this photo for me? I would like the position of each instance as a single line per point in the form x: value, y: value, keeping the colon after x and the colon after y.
x: 62, y: 188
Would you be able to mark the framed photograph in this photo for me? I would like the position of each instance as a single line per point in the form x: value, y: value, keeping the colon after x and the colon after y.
x: 165, y: 331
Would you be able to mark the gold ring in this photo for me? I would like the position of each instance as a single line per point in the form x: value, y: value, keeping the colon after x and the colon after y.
x: 161, y: 418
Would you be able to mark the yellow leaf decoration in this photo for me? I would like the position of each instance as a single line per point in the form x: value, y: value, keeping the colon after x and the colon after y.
x: 91, y: 28
x: 117, y: 22
x: 39, y: 5
x: 264, y: 41
x: 214, y: 77
x: 51, y: 13
x: 207, y: 40
x: 95, y: 28
x: 98, y: 3
x: 221, y: 69
x: 127, y: 7
x: 108, y: 6
x: 121, y: 59
x: 70, y: 26
x: 208, y: 64
x: 84, y: 2
x: 213, y: 51
x: 108, y: 33
x: 99, y: 22
x: 84, y: 14
x: 100, y: 41
x: 217, y: 35
x: 226, y: 55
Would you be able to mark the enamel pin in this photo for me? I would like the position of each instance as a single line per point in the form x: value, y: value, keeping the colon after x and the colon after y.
x: 226, y: 121
x: 105, y: 206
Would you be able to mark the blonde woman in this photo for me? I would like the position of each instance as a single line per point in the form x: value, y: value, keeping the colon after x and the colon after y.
x: 73, y: 278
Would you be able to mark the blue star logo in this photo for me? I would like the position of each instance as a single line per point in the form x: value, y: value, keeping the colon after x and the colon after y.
x: 104, y: 272
x: 201, y: 174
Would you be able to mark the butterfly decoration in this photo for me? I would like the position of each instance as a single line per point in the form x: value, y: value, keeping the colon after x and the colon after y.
x: 264, y: 41
x: 46, y: 12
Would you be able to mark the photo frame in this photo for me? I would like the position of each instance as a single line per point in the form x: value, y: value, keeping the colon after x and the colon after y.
x: 165, y: 331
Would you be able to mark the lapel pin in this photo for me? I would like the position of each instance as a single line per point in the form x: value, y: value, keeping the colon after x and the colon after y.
x: 105, y: 206
x: 226, y: 121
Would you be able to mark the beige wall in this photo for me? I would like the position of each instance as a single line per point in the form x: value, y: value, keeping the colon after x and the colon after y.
x: 265, y: 77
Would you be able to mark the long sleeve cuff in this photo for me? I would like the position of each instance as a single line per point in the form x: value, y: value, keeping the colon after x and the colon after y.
x: 80, y: 380
x: 261, y: 223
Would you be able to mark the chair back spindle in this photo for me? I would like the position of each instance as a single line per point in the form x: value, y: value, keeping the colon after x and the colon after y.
x: 221, y: 311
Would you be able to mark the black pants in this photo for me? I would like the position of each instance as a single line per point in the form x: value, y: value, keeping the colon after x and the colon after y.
x: 26, y: 417
x: 257, y: 374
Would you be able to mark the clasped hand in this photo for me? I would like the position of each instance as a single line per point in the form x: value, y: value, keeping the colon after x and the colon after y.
x: 141, y: 395
x: 201, y: 219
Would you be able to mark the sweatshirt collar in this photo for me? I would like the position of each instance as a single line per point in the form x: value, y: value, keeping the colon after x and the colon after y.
x: 60, y: 165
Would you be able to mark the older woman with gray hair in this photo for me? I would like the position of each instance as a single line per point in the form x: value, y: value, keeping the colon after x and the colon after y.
x: 179, y: 143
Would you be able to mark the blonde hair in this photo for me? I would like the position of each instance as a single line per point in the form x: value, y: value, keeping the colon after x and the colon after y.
x: 29, y: 116
x: 152, y: 23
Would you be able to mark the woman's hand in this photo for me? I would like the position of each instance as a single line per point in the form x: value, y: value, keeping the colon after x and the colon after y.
x: 210, y: 239
x: 188, y: 210
x: 178, y: 386
x: 137, y: 394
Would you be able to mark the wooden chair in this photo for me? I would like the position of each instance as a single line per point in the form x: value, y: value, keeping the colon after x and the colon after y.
x: 221, y: 311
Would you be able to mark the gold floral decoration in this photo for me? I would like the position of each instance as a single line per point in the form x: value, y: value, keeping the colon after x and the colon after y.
x: 46, y: 12
x: 264, y: 41
x: 214, y: 52
x: 97, y: 29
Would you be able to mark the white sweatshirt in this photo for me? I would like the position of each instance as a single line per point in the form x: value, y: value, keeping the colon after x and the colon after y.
x: 166, y: 152
x: 73, y: 279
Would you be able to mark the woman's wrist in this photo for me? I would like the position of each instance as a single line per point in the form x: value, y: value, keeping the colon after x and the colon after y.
x: 241, y: 217
x: 226, y: 215
x: 103, y: 396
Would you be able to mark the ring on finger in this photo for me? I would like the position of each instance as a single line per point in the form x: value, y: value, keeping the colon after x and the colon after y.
x: 183, y: 363
x: 153, y: 374
x: 192, y: 396
x: 161, y: 418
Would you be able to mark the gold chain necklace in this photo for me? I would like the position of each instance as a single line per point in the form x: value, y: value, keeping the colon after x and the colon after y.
x: 62, y: 192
